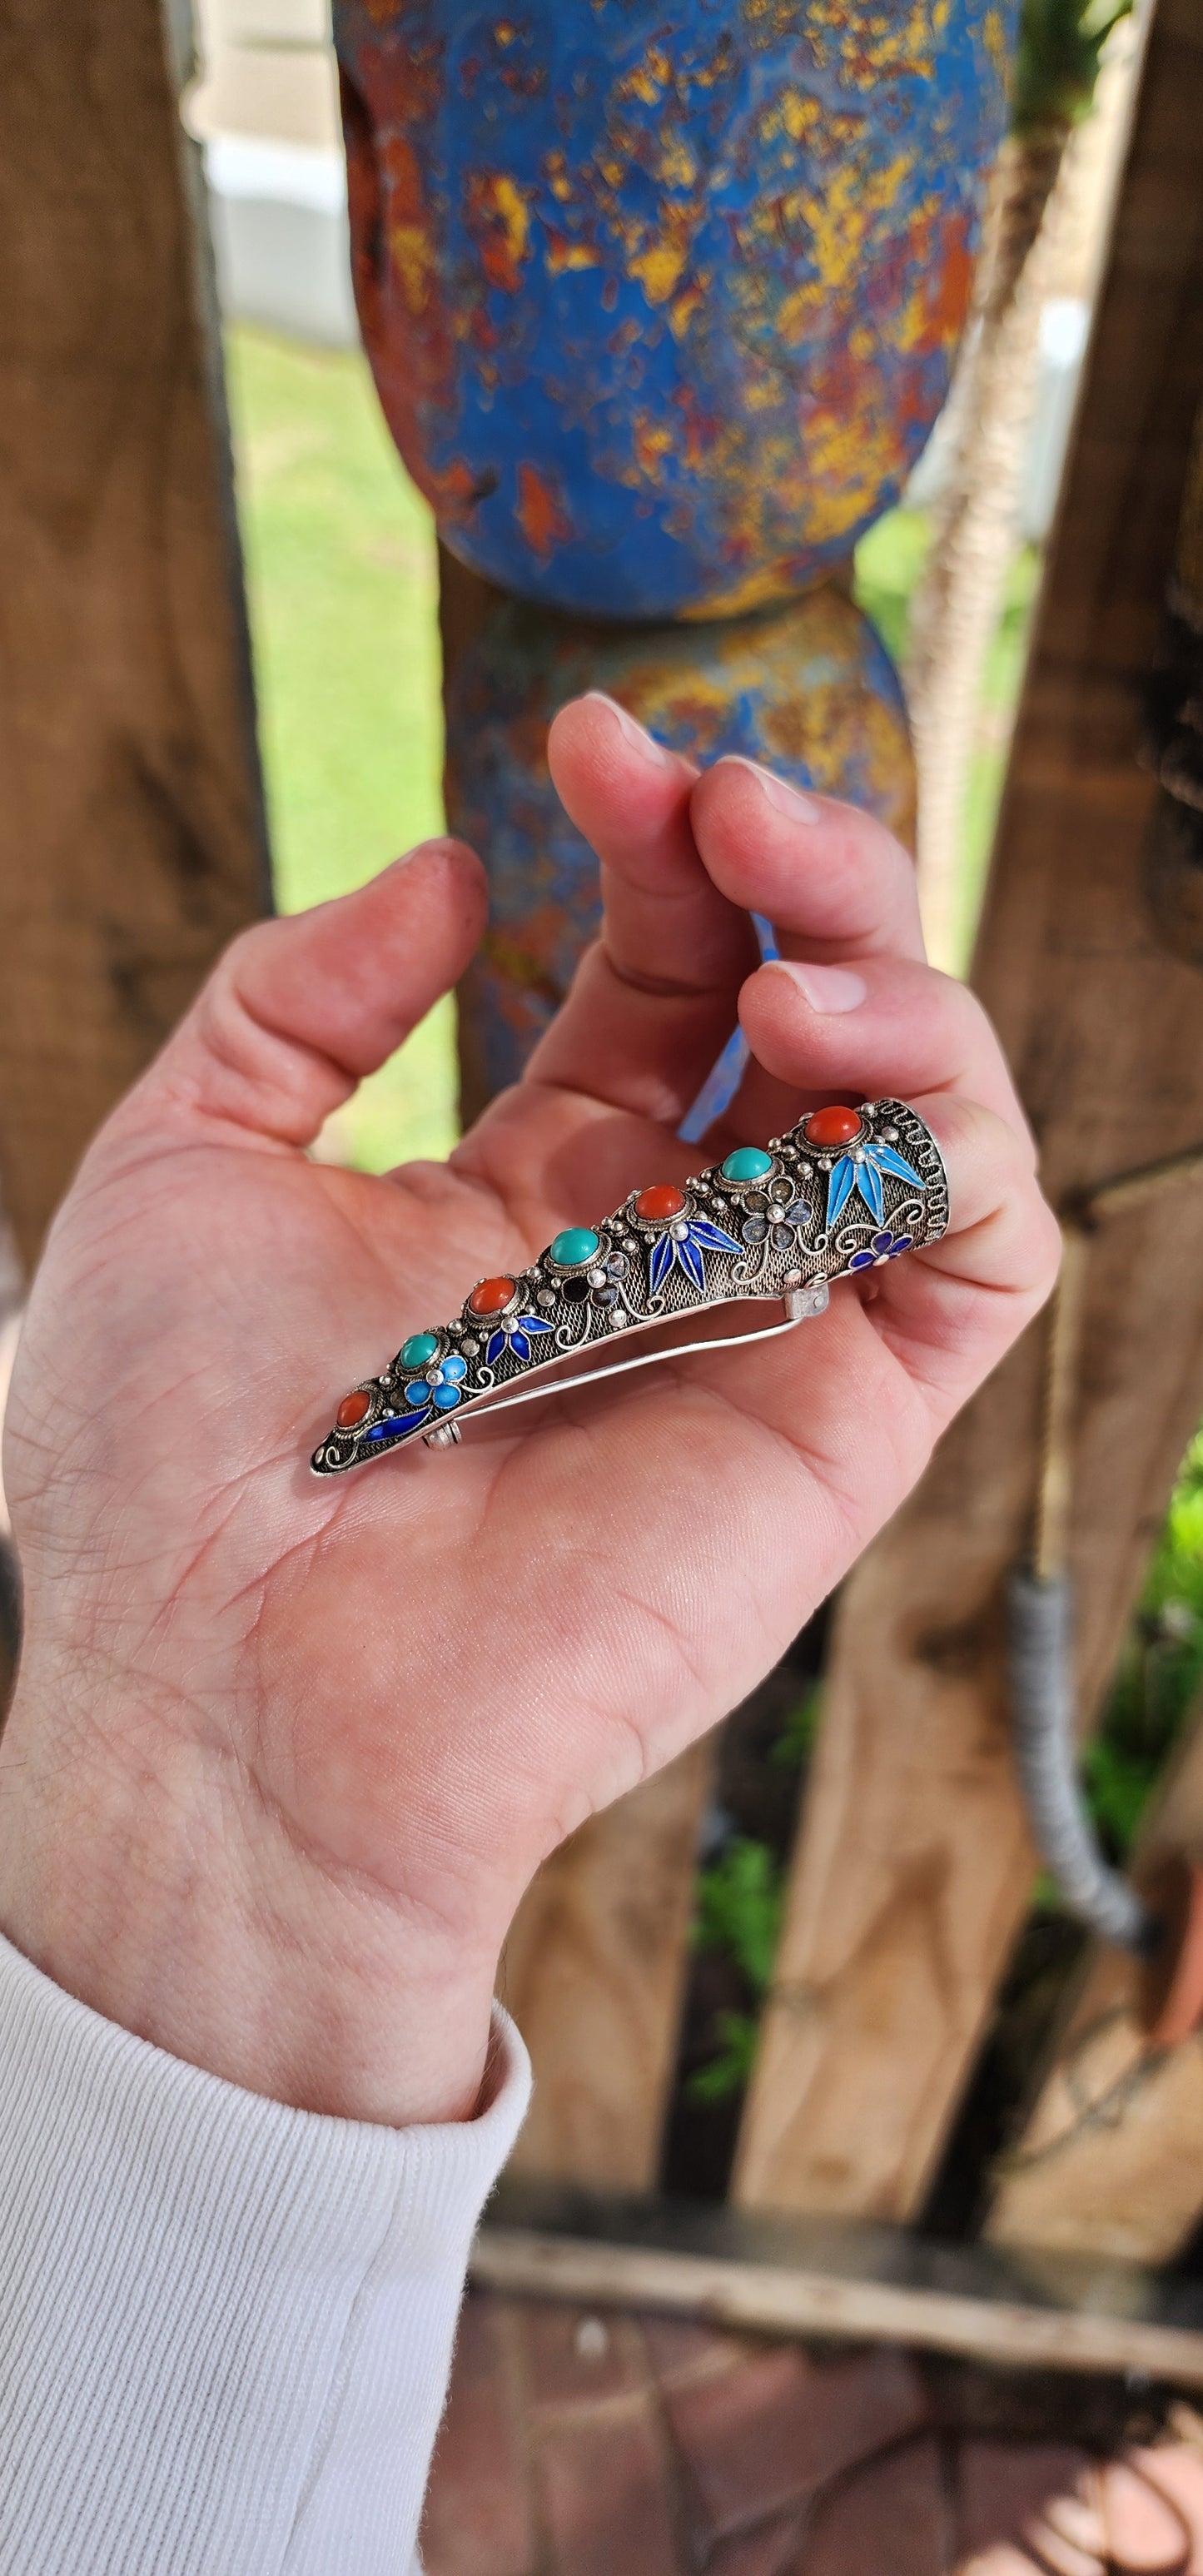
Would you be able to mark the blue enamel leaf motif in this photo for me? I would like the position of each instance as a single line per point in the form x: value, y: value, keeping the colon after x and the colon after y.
x: 866, y: 1175
x: 514, y: 1335
x: 664, y: 1253
x: 888, y: 1161
x: 871, y: 1189
x: 840, y: 1188
x: 702, y: 1229
x: 397, y: 1423
x: 685, y: 1251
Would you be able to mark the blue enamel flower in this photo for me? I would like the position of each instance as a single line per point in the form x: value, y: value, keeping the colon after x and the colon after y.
x: 873, y: 1157
x: 884, y: 1247
x: 437, y: 1390
x: 683, y: 1245
x: 513, y: 1334
x: 440, y: 1386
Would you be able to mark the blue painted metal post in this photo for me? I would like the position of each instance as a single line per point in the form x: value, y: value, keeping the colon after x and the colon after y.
x: 662, y: 298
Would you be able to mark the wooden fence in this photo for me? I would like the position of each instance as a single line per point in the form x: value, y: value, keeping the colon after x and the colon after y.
x: 131, y: 847
x: 913, y: 1868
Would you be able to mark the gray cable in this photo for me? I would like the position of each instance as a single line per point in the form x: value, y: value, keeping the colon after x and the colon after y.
x: 1040, y: 1663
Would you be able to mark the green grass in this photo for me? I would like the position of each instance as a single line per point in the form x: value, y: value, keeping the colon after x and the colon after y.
x: 342, y: 581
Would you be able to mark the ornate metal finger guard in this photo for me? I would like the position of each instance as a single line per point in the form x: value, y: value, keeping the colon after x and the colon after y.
x: 843, y: 1192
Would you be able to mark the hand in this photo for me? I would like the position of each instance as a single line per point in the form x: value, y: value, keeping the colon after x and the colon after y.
x: 284, y: 1753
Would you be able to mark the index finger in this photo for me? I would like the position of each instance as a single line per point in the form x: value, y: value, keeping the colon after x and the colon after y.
x: 656, y: 997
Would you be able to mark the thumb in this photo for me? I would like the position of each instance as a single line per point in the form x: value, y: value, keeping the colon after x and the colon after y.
x: 297, y: 1011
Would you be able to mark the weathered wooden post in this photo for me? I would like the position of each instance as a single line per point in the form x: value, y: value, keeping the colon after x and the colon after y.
x: 132, y: 841
x: 131, y: 829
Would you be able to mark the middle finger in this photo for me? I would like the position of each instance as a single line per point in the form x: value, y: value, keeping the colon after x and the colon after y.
x: 830, y: 878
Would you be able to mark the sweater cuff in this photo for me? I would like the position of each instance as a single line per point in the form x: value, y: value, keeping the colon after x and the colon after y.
x: 226, y: 2325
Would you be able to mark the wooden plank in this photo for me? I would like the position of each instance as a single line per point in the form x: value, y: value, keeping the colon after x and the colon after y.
x: 865, y: 2283
x: 1111, y: 2159
x: 593, y: 1973
x: 914, y: 1867
x: 131, y: 841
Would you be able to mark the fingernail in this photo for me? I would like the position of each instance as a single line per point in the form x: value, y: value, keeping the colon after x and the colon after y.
x: 637, y: 735
x: 828, y: 989
x: 788, y: 800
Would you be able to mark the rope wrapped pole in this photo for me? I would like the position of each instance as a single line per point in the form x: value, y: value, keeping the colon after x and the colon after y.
x: 1040, y: 1665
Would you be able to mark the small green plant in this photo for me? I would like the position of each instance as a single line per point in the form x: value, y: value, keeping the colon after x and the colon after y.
x: 739, y: 1901
x: 1160, y: 1670
x: 731, y: 2070
x: 1057, y: 60
x: 796, y: 1742
x: 739, y: 1908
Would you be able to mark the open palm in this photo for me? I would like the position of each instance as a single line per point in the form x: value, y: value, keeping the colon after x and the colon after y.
x: 359, y: 1712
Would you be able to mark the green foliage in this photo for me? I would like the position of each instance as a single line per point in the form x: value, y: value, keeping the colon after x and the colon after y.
x: 1117, y: 1785
x: 796, y: 1742
x: 739, y: 1905
x: 1159, y: 1671
x: 731, y: 2070
x: 1057, y: 60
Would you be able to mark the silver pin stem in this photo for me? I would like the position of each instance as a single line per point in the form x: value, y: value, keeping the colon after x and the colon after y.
x: 799, y: 1303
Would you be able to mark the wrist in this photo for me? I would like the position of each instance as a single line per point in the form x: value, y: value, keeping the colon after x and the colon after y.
x: 156, y: 1892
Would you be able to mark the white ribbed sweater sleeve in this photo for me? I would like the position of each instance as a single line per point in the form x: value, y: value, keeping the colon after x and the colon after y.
x: 225, y: 2326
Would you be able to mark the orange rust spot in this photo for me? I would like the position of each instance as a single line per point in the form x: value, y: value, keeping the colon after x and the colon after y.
x: 556, y: 170
x: 951, y: 301
x: 539, y: 514
x: 413, y: 259
x: 563, y: 253
x: 454, y: 493
x: 652, y: 442
x: 405, y: 179
x: 682, y: 310
x: 499, y: 220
